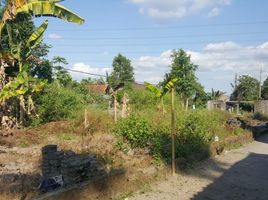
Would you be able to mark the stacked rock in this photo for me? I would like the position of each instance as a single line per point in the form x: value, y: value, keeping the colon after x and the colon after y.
x: 51, y: 162
x: 73, y: 167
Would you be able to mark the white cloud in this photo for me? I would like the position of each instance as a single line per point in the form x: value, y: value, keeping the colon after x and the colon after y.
x: 214, y: 12
x: 87, y: 68
x: 216, y: 61
x: 162, y: 10
x: 54, y: 36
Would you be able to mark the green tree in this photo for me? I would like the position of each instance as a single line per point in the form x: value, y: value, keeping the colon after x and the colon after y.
x: 184, y: 70
x: 246, y: 88
x: 60, y: 73
x: 43, y: 71
x: 92, y: 81
x: 265, y: 89
x: 201, y: 97
x: 122, y: 71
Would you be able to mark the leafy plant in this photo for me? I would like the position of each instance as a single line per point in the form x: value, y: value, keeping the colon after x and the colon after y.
x: 137, y: 131
x: 57, y: 102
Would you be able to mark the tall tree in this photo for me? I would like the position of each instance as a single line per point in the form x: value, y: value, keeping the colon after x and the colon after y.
x: 60, y: 73
x: 122, y: 71
x: 245, y: 89
x: 265, y: 89
x: 184, y: 70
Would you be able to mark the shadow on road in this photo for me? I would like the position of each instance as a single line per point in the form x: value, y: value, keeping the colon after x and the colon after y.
x: 245, y: 180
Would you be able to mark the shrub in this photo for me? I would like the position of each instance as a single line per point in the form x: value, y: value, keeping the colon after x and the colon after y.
x: 56, y: 103
x: 195, y: 131
x: 136, y: 130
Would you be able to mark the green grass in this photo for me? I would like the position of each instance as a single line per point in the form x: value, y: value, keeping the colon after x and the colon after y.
x: 124, y: 196
x: 67, y: 136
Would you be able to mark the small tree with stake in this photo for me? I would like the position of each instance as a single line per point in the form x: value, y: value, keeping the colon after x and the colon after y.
x: 168, y: 87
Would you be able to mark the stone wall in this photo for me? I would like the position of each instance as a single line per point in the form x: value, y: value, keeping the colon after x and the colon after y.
x: 261, y: 107
x: 74, y: 168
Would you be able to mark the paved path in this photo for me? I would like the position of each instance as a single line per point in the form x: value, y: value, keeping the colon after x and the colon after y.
x: 240, y: 174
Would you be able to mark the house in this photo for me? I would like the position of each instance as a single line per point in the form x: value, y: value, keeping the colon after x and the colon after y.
x: 97, y: 88
x: 101, y: 88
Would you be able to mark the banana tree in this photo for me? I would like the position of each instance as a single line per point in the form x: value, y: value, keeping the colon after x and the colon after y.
x: 35, y: 8
x: 38, y: 8
x: 21, y: 52
x: 170, y: 87
x: 158, y: 92
x: 23, y: 85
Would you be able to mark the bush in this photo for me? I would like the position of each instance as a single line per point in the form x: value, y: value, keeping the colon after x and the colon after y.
x: 139, y: 99
x: 56, y: 103
x: 136, y: 130
x: 195, y: 131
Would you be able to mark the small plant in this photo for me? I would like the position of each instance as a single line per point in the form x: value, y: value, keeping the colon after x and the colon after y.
x: 137, y: 131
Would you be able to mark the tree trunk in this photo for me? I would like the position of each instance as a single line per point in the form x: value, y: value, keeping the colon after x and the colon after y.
x: 22, y: 110
x: 2, y: 75
x: 186, y: 104
x: 2, y: 84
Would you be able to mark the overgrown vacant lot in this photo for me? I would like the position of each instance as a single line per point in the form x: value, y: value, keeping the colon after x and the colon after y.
x: 132, y: 152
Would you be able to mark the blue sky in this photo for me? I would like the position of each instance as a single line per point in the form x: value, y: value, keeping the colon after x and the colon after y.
x: 224, y: 37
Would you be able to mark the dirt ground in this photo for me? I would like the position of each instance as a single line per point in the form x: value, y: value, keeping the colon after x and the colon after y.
x: 239, y: 174
x: 21, y: 160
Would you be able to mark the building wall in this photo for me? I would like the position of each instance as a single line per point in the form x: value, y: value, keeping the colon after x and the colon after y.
x: 261, y: 107
x: 211, y: 105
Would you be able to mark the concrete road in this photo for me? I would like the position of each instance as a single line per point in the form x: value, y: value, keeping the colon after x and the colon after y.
x: 240, y: 174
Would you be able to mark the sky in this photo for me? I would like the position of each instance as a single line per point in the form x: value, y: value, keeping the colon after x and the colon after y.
x: 223, y: 37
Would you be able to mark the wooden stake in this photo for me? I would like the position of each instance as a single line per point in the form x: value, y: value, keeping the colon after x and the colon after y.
x: 115, y: 107
x: 86, y: 121
x: 173, y: 131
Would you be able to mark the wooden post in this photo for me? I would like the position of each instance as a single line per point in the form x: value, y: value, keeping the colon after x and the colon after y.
x: 237, y: 108
x: 115, y: 107
x: 86, y: 121
x: 173, y: 131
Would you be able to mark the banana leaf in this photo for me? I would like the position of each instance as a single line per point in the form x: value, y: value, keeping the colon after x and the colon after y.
x: 50, y: 8
x: 168, y: 86
x: 153, y: 89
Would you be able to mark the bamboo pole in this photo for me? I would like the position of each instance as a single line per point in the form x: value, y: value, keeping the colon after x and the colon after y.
x: 86, y: 120
x: 173, y: 131
x: 115, y: 107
